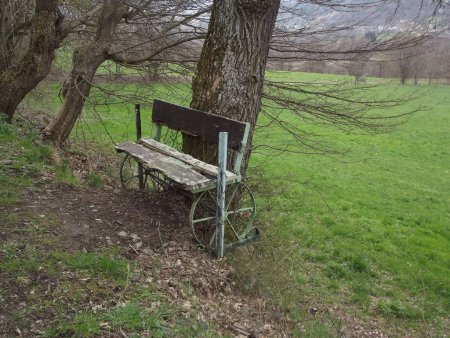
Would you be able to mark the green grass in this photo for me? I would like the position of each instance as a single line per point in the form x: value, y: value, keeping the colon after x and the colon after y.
x: 368, y: 230
x: 68, y: 293
x: 74, y: 279
x: 94, y: 181
x: 94, y: 263
x: 28, y: 158
x: 133, y: 318
x: 64, y: 174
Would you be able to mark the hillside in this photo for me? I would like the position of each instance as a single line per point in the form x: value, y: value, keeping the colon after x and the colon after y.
x: 353, y: 245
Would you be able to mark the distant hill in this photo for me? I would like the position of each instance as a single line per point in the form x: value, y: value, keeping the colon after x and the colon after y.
x: 392, y: 13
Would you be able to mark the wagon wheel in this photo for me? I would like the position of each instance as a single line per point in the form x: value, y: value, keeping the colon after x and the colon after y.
x: 129, y: 176
x: 240, y: 210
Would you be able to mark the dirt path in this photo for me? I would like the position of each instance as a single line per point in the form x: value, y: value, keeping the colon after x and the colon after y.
x: 90, y: 219
x: 151, y: 231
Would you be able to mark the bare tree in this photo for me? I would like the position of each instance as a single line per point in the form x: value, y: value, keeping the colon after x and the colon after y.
x: 86, y: 60
x: 129, y: 34
x: 152, y: 32
x: 28, y: 43
x: 433, y: 60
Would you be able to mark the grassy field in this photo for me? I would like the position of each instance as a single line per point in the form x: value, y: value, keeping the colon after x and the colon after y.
x: 371, y: 228
x: 368, y: 231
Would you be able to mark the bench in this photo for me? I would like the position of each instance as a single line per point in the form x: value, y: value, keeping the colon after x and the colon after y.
x: 152, y: 165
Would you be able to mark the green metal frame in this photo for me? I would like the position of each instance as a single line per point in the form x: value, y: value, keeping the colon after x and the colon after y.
x: 241, y: 235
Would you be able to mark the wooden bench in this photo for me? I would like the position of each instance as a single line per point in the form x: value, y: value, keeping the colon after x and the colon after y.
x: 152, y: 165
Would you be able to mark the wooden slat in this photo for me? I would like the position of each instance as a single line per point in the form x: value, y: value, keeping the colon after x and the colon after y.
x: 181, y: 173
x: 176, y: 170
x: 205, y: 125
x: 202, y: 167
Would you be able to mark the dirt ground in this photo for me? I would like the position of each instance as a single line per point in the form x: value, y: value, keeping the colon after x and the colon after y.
x: 151, y: 231
x: 92, y: 218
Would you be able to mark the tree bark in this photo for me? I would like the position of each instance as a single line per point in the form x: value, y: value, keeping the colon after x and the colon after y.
x: 86, y: 60
x: 230, y: 74
x: 17, y: 81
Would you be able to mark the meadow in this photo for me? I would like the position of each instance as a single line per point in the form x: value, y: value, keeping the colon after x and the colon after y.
x: 370, y: 228
x: 365, y: 228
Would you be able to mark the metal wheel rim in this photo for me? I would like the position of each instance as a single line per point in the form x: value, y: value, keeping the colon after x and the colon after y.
x: 126, y: 181
x: 239, y: 234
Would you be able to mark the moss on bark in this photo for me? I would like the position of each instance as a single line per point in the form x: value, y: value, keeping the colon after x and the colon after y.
x: 18, y: 81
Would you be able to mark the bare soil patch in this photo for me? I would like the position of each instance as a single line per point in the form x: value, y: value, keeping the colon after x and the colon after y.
x: 150, y: 232
x: 92, y: 218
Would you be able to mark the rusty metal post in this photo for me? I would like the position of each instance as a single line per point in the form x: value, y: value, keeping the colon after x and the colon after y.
x: 137, y: 109
x: 221, y: 184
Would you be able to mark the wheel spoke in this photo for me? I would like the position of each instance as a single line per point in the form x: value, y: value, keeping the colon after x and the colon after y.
x: 230, y: 197
x: 229, y: 224
x: 213, y: 239
x: 203, y: 219
x: 129, y: 176
x: 241, y: 210
x: 239, y: 215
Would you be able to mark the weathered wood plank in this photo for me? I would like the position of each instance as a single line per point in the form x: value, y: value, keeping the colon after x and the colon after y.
x: 202, y: 167
x: 205, y: 125
x: 182, y: 174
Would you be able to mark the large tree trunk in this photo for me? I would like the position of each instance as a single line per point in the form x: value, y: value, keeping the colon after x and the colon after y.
x: 86, y: 60
x: 17, y: 81
x: 230, y: 73
x: 14, y: 16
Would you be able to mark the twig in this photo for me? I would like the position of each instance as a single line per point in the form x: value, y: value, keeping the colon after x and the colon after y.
x: 161, y: 241
x: 240, y: 329
x: 124, y: 335
x: 137, y: 253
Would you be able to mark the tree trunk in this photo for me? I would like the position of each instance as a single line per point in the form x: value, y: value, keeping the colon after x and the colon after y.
x: 17, y: 81
x: 230, y: 73
x: 86, y: 60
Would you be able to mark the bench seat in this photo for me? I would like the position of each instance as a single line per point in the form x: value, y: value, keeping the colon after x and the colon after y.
x: 185, y: 171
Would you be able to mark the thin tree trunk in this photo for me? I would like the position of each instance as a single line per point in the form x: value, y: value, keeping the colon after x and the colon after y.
x: 86, y: 60
x: 16, y: 82
x: 230, y: 73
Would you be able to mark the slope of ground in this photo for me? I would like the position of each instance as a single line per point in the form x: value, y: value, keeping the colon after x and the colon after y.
x: 72, y: 253
x: 104, y: 262
x: 83, y: 261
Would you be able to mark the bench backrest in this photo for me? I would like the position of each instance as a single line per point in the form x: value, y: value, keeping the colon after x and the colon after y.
x: 204, y: 125
x: 194, y: 122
